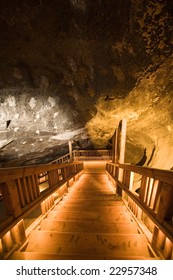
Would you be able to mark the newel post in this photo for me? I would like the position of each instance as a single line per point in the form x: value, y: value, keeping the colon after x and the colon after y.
x: 70, y: 150
x: 119, y: 145
x: 115, y: 147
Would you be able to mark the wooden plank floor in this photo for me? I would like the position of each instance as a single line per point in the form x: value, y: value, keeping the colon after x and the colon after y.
x: 90, y: 222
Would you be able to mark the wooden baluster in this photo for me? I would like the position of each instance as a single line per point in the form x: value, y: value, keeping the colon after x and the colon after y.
x: 116, y: 172
x: 131, y: 179
x: 58, y: 176
x: 6, y: 201
x: 124, y: 177
x: 54, y: 177
x: 20, y: 192
x: 32, y: 181
x: 157, y: 197
x: 153, y: 194
x: 37, y: 188
x: 127, y: 178
x: 29, y: 188
x: 50, y: 179
x: 149, y: 190
x: 142, y: 190
x: 63, y: 171
x: 25, y: 190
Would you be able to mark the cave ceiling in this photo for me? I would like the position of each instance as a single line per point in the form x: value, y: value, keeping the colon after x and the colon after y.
x: 72, y: 69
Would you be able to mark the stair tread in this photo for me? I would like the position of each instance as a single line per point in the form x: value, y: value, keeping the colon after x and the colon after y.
x: 91, y: 202
x: 92, y: 188
x: 88, y: 226
x: 45, y: 256
x: 90, y: 215
x: 85, y: 243
x: 95, y: 208
x: 111, y: 197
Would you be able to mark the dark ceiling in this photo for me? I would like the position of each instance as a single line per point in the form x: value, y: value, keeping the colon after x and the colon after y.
x: 74, y: 68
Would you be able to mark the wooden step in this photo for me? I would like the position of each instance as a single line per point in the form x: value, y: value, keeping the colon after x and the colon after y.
x: 45, y: 256
x: 91, y: 192
x: 118, y: 245
x: 90, y: 215
x: 90, y: 203
x: 95, y: 208
x: 98, y: 181
x: 88, y: 226
x: 93, y: 182
x: 110, y: 197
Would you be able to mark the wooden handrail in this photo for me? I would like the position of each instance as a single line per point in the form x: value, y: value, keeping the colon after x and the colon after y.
x: 24, y: 188
x: 63, y: 159
x: 158, y: 174
x: 82, y: 155
x: 155, y: 195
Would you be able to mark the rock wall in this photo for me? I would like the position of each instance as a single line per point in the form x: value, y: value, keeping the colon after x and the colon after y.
x: 73, y: 68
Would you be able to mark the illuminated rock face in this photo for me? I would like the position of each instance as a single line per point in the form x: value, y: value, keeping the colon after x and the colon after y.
x: 73, y: 69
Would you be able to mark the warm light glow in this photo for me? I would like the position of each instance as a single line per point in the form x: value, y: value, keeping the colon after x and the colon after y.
x: 131, y: 180
x: 1, y: 249
x: 7, y: 241
x: 168, y: 250
x: 160, y: 239
x: 145, y: 189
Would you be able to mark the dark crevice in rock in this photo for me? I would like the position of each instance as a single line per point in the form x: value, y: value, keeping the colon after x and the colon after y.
x: 143, y: 160
x: 151, y: 157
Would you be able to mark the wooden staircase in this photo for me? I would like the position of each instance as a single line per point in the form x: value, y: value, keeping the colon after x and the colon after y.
x: 90, y: 222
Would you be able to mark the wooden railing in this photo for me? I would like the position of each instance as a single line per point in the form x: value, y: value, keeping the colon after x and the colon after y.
x: 149, y: 195
x: 23, y: 188
x: 63, y: 159
x: 83, y: 155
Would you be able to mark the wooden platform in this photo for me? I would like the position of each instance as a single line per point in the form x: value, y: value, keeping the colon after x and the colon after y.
x: 91, y: 222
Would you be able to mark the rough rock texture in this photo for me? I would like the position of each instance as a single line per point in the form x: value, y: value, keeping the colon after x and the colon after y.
x: 72, y: 69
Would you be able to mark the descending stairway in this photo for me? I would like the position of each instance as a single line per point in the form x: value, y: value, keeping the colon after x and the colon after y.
x: 90, y: 222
